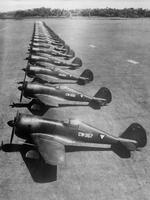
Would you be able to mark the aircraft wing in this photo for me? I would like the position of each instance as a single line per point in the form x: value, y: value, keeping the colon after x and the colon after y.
x: 50, y: 100
x: 50, y: 148
x: 53, y: 80
x: 46, y: 78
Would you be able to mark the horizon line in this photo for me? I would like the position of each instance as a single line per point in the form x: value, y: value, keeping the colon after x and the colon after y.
x: 21, y: 9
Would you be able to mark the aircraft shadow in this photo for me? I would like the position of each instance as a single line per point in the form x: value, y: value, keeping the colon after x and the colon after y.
x: 43, y: 108
x: 44, y: 173
x: 39, y: 170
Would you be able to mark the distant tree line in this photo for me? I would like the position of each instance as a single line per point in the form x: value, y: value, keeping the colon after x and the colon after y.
x: 106, y: 12
x: 109, y: 12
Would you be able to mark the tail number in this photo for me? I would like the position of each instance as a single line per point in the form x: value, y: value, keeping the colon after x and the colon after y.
x: 86, y: 135
x: 70, y: 95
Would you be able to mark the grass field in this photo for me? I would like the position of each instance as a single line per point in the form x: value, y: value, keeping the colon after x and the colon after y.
x: 117, y: 51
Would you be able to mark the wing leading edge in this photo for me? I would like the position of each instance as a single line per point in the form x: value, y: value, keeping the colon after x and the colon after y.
x: 52, y: 151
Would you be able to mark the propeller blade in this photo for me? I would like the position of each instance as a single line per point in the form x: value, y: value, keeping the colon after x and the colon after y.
x: 14, y: 126
x: 21, y: 95
x: 12, y: 134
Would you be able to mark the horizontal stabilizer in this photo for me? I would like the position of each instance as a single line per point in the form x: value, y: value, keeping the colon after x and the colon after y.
x: 101, y: 98
x: 71, y: 53
x: 136, y: 136
x: 67, y: 49
x: 86, y: 77
x: 77, y: 62
x: 131, y: 145
x: 104, y: 93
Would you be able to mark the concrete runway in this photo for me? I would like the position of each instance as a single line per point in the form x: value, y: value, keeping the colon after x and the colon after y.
x: 117, y: 51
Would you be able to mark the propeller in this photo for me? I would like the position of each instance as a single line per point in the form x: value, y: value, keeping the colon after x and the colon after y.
x: 13, y: 123
x: 23, y: 83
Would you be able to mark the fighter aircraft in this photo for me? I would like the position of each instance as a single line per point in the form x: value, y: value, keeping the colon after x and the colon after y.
x: 76, y: 63
x: 44, y: 34
x: 61, y: 49
x: 47, y: 42
x: 56, y: 96
x: 56, y: 76
x: 49, y: 137
x: 47, y: 39
x: 46, y: 31
x: 67, y: 54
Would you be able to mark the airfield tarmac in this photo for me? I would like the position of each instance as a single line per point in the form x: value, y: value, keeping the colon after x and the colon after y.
x: 118, y: 53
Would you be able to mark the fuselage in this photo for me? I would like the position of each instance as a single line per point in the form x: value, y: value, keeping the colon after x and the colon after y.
x: 49, y: 52
x: 32, y: 89
x: 44, y: 40
x: 49, y: 42
x: 72, y: 130
x: 46, y: 45
x: 33, y: 70
x: 52, y: 60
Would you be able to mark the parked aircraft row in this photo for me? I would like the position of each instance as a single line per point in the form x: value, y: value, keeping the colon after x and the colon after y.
x: 49, y: 57
x: 47, y: 75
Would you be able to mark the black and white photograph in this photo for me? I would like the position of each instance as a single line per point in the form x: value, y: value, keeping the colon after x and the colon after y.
x: 74, y: 99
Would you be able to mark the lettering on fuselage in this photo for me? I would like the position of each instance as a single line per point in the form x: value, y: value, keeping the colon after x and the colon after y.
x: 63, y: 75
x: 70, y: 95
x: 86, y: 135
x: 101, y: 136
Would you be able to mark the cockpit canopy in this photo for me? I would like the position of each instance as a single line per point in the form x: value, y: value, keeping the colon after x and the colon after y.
x: 72, y: 123
x: 75, y: 123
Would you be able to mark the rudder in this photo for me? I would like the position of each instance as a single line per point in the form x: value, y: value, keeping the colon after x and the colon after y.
x: 86, y: 77
x: 136, y: 132
x: 71, y: 53
x: 77, y: 62
x: 104, y: 93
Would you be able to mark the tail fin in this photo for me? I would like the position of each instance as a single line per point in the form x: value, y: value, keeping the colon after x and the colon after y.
x: 136, y: 136
x: 67, y: 49
x: 101, y: 98
x: 104, y: 93
x: 71, y: 53
x: 86, y: 77
x: 77, y: 62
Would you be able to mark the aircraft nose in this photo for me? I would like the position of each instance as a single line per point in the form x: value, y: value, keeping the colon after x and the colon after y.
x: 10, y: 123
x: 20, y: 88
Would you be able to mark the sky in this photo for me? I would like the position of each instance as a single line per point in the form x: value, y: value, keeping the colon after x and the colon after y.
x: 9, y: 5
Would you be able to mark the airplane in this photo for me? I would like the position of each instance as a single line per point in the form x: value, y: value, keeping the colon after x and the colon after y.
x: 56, y: 76
x: 51, y: 66
x: 56, y: 47
x: 59, y: 95
x: 47, y: 41
x: 62, y: 48
x: 46, y: 31
x: 76, y: 63
x: 67, y: 54
x: 44, y: 34
x: 49, y: 137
